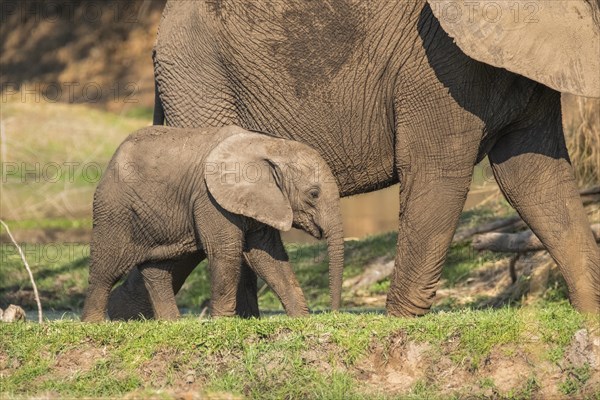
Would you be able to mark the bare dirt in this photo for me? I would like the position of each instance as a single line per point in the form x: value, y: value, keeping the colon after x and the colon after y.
x: 77, y: 360
x: 396, y: 366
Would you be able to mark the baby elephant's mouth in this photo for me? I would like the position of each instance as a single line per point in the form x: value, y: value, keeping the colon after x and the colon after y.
x: 313, y: 230
x: 318, y: 233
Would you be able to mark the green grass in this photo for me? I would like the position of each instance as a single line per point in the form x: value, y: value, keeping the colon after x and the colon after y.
x: 277, y: 357
x: 60, y: 271
x: 462, y: 260
x: 50, y: 224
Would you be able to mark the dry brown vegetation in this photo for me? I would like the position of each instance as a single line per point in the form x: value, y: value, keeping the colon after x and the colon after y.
x: 581, y: 120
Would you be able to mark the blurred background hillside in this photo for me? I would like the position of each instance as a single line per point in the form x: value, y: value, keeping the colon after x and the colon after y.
x: 77, y: 77
x: 105, y: 44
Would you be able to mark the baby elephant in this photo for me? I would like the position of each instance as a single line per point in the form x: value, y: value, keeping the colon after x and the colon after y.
x: 171, y: 197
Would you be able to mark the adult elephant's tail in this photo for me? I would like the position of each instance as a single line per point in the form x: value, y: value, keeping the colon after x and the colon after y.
x: 159, y: 112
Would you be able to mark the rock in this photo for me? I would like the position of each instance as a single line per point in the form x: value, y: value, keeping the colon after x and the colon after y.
x: 582, y: 350
x: 13, y: 313
x: 190, y: 377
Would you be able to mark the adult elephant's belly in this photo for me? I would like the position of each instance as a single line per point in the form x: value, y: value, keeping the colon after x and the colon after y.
x: 358, y: 149
x: 360, y: 162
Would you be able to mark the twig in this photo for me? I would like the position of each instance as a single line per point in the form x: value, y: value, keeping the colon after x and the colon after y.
x: 512, y: 264
x: 262, y: 289
x: 35, y: 291
x: 203, y: 313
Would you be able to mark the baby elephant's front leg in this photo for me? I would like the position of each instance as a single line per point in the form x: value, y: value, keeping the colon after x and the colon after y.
x: 266, y: 255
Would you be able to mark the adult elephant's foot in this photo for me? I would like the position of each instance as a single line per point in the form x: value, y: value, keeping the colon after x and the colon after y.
x: 408, y: 302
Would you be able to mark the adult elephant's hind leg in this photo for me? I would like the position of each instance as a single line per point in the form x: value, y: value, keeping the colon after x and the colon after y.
x: 532, y: 168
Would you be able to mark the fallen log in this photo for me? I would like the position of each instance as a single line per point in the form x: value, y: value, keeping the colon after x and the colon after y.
x: 376, y: 271
x: 588, y: 196
x: 590, y: 199
x: 590, y: 191
x: 464, y: 234
x: 515, y: 242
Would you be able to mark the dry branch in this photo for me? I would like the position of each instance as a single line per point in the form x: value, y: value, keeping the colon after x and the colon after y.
x: 35, y: 291
x: 515, y: 242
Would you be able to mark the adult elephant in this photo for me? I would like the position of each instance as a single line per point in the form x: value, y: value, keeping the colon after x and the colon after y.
x: 385, y: 94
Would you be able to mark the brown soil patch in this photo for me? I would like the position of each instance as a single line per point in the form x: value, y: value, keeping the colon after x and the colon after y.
x: 162, y: 371
x: 507, y: 371
x: 395, y: 366
x: 5, y: 370
x: 77, y: 360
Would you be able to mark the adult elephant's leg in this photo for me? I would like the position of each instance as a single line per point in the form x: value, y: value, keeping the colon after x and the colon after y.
x: 532, y: 167
x: 247, y: 299
x: 429, y: 212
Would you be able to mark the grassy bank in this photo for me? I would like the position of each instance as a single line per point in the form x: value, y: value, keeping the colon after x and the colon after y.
x: 509, y: 353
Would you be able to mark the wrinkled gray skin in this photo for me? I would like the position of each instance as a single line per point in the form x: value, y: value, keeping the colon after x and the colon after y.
x: 171, y: 197
x: 385, y: 95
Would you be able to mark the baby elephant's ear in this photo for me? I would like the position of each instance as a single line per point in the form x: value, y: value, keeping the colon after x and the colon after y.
x: 243, y: 181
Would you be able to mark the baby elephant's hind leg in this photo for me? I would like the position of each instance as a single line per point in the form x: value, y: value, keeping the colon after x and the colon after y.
x: 96, y: 300
x: 158, y: 279
x: 131, y: 301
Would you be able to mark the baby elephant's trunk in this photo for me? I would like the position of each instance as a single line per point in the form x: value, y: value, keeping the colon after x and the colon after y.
x: 333, y: 232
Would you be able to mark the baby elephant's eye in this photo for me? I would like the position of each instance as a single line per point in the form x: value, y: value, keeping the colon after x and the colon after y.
x: 314, y: 194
